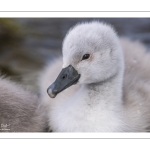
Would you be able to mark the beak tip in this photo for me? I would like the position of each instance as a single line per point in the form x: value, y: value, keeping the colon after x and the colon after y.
x: 50, y: 93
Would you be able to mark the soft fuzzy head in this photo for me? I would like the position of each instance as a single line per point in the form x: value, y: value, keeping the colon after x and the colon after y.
x: 101, y: 43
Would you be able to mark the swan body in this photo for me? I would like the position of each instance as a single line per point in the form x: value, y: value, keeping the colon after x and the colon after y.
x: 20, y: 111
x: 113, y: 91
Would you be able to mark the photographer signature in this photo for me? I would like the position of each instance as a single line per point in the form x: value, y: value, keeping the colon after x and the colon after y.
x: 5, y: 127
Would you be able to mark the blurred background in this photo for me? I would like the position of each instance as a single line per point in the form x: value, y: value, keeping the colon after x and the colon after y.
x: 27, y: 44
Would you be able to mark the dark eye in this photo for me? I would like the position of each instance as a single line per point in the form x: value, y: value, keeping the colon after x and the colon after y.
x: 86, y: 56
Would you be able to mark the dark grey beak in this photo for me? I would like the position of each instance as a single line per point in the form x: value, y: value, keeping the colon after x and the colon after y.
x: 67, y: 77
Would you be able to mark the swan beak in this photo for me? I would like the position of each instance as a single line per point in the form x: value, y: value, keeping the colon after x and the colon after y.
x: 67, y: 77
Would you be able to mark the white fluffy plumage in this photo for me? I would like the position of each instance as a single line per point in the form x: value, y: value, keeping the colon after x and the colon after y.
x: 113, y: 92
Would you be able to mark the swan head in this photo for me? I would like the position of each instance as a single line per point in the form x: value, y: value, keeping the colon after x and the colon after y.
x: 91, y: 53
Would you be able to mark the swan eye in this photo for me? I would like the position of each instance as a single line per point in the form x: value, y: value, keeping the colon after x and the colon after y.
x: 86, y: 56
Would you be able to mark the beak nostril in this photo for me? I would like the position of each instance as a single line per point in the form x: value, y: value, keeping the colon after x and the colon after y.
x: 64, y: 76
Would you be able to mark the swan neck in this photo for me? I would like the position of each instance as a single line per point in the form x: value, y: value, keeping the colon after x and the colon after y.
x: 108, y: 89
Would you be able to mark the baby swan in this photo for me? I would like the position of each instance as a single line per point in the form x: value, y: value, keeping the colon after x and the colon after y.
x: 20, y: 111
x: 93, y: 60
